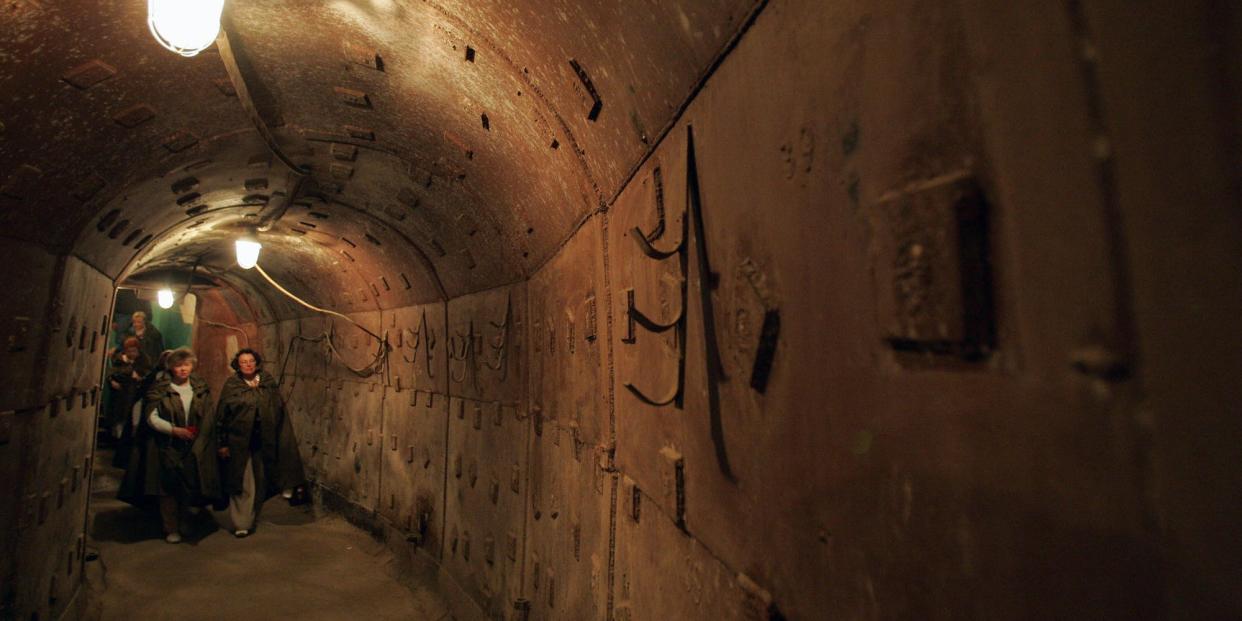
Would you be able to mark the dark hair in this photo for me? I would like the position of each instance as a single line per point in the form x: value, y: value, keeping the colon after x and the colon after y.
x: 179, y: 356
x: 131, y: 342
x: 258, y: 360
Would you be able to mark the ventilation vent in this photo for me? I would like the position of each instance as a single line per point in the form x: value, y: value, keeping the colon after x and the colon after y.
x: 107, y: 220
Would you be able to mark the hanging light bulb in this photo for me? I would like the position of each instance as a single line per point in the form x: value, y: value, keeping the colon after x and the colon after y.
x: 186, y: 27
x: 248, y: 253
x: 165, y: 298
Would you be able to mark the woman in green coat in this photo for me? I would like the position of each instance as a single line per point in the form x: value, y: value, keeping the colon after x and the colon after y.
x: 256, y: 441
x: 180, y: 467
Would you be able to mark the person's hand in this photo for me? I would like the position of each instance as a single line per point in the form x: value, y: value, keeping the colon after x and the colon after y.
x: 115, y: 384
x: 135, y: 375
x: 182, y: 433
x: 223, y: 452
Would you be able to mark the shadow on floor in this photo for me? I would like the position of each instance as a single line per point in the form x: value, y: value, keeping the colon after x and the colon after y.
x: 121, y: 523
x: 124, y: 524
x: 278, y: 511
x: 292, y: 566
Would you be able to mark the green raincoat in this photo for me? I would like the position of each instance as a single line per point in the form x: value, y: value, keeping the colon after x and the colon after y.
x: 252, y: 423
x: 174, y: 467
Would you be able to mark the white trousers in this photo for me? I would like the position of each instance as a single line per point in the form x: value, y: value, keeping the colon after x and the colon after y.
x: 244, y: 506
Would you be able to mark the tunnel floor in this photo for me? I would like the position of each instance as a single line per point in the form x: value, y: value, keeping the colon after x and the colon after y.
x: 294, y: 565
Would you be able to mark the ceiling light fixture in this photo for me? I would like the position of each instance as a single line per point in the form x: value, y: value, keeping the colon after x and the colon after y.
x: 247, y: 253
x: 186, y: 27
x: 165, y: 298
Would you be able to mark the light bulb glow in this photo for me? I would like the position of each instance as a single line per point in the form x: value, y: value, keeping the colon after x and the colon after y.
x: 165, y: 298
x: 247, y: 253
x: 186, y: 27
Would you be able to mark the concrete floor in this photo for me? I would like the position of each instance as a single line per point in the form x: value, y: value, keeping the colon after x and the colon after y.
x: 295, y: 566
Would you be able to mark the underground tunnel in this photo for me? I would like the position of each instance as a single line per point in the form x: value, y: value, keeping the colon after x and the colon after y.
x: 714, y: 309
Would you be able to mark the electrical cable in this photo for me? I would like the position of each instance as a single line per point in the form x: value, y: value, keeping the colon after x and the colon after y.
x: 282, y: 206
x: 227, y: 326
x: 238, y: 79
x: 237, y: 76
x: 189, y: 282
x: 284, y: 365
x: 313, y: 307
x: 381, y: 355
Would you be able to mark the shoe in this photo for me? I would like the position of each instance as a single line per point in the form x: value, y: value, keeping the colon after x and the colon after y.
x: 287, y: 494
x: 194, y: 510
x: 240, y: 533
x: 173, y: 538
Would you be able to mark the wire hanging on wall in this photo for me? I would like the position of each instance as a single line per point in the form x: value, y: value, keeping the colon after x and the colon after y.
x: 377, y: 365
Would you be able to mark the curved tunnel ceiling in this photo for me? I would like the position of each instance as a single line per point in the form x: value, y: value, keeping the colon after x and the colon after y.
x: 453, y: 146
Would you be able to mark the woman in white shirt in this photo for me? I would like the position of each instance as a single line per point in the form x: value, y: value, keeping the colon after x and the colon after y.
x: 181, y: 465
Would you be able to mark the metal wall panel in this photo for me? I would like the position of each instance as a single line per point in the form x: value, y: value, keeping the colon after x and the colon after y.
x: 487, y: 439
x: 851, y: 423
x: 355, y: 444
x: 27, y: 323
x: 49, y: 448
x: 485, y: 358
x: 861, y: 338
x: 416, y: 411
x: 663, y: 573
x: 569, y: 519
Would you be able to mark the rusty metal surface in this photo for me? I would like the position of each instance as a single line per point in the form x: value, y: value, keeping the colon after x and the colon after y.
x: 100, y: 105
x: 660, y: 569
x: 221, y: 331
x: 355, y: 443
x: 48, y: 455
x: 424, y: 118
x: 27, y: 327
x: 82, y: 309
x: 412, y: 484
x: 1185, y: 294
x: 571, y: 486
x: 416, y: 409
x: 486, y: 445
x: 484, y: 346
x: 876, y: 466
x: 568, y: 540
x: 936, y: 325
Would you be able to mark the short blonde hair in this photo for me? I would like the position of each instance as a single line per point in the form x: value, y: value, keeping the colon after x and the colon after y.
x: 138, y: 314
x: 179, y: 356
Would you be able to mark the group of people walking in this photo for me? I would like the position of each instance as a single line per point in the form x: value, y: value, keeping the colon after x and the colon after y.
x: 131, y: 365
x: 182, y: 452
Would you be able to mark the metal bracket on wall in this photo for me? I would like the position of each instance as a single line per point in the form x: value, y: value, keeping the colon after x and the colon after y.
x: 715, y: 366
x: 645, y: 239
x: 500, y: 343
x: 635, y: 316
x: 426, y: 338
x: 651, y: 251
x: 459, y: 349
x: 675, y: 397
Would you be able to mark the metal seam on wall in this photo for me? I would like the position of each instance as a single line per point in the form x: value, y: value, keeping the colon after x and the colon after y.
x: 715, y: 64
x: 612, y: 418
x: 448, y: 413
